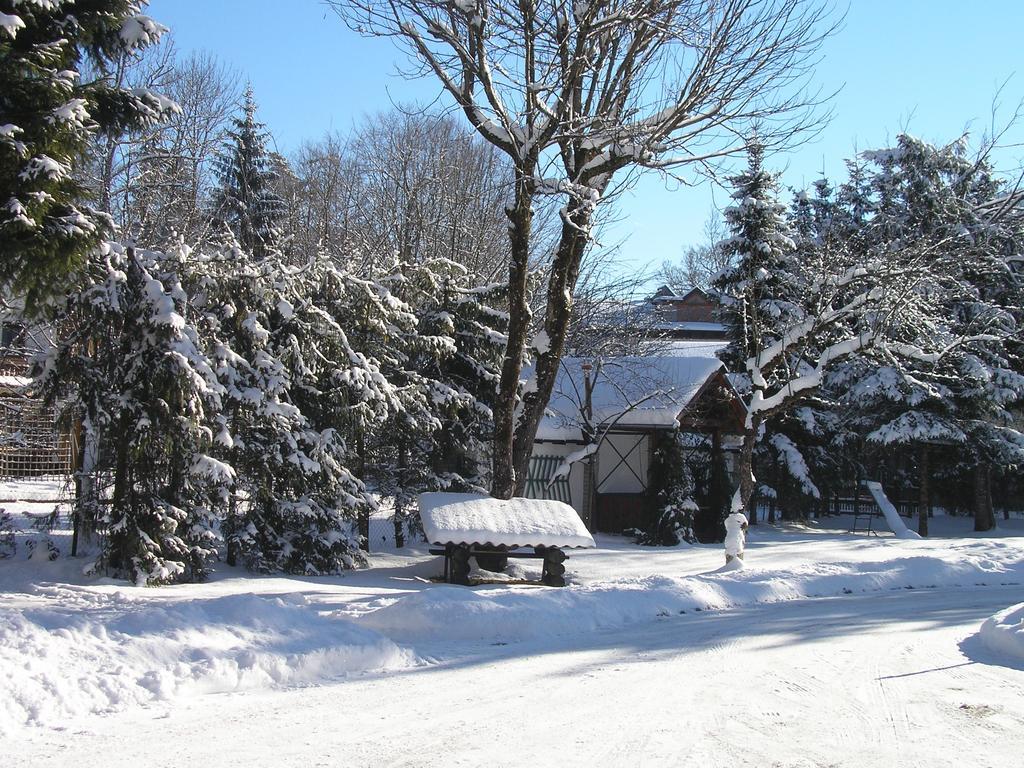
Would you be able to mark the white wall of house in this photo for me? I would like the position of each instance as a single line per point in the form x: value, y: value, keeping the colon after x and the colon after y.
x: 615, y: 475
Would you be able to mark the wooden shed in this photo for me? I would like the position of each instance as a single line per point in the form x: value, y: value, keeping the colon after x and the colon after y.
x: 594, y: 448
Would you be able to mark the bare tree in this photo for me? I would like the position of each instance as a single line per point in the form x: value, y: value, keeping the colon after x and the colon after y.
x: 701, y: 261
x: 154, y: 181
x: 406, y: 183
x: 575, y: 92
x: 429, y: 190
x: 611, y: 313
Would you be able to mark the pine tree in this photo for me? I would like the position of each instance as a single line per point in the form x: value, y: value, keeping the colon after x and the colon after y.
x: 48, y: 116
x: 672, y: 490
x: 295, y: 498
x: 448, y: 366
x: 955, y: 376
x: 133, y: 368
x: 759, y: 297
x: 245, y: 201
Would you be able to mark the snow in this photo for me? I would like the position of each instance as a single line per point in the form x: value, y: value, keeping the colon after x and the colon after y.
x: 892, y: 517
x: 473, y: 518
x: 643, y: 392
x: 1003, y: 633
x: 111, y: 649
x: 10, y: 24
x: 691, y: 348
x: 140, y: 30
x: 690, y: 325
x: 14, y: 381
x: 735, y: 536
x: 843, y: 651
x: 565, y: 467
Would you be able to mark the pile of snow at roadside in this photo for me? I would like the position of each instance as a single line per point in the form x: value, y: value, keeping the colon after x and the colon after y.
x: 509, y: 615
x: 94, y: 652
x: 1004, y: 632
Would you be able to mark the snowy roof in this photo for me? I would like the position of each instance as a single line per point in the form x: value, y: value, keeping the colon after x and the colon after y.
x: 473, y: 518
x: 692, y: 347
x: 689, y: 325
x: 672, y: 294
x: 15, y: 381
x: 633, y: 392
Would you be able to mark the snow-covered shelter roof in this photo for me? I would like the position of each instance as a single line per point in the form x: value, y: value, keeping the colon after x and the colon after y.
x: 473, y: 518
x: 698, y: 326
x: 14, y: 382
x: 629, y: 393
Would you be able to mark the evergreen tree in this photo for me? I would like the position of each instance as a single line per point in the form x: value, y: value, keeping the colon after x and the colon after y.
x: 760, y: 296
x: 48, y: 117
x: 672, y: 490
x: 132, y: 367
x: 449, y: 364
x: 295, y: 498
x: 245, y: 201
x: 955, y: 376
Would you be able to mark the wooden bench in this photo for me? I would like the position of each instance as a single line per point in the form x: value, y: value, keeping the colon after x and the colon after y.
x: 465, y: 525
x: 456, y: 561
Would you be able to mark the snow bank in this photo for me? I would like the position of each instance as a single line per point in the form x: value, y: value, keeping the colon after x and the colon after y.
x: 468, y: 518
x: 101, y: 652
x: 502, y: 614
x: 1004, y: 632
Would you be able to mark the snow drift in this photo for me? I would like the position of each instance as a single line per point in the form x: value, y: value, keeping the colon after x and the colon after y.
x: 1004, y: 632
x: 101, y: 652
x: 501, y: 614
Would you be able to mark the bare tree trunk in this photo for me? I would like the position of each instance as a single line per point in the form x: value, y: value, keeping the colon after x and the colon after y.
x: 363, y: 518
x: 924, y: 501
x: 399, y: 517
x: 564, y: 271
x: 745, y: 466
x: 989, y: 509
x: 504, y: 480
x: 984, y: 520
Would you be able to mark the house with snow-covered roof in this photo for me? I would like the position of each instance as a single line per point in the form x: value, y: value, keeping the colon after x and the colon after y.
x: 595, y: 445
x: 687, y: 314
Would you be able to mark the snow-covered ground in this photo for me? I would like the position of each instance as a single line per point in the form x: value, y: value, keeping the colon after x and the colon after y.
x: 827, y: 649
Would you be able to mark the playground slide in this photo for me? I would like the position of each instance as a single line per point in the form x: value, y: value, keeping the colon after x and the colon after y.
x: 892, y: 517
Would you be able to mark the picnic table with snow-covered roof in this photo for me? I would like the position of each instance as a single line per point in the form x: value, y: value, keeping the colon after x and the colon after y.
x: 475, y: 525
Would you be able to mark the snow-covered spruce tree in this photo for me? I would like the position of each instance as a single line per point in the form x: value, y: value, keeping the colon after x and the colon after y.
x: 955, y: 375
x: 294, y: 499
x: 363, y: 335
x: 760, y: 295
x: 131, y: 366
x: 456, y: 353
x: 672, y: 490
x: 795, y: 314
x: 48, y: 117
x: 244, y: 201
x: 8, y: 545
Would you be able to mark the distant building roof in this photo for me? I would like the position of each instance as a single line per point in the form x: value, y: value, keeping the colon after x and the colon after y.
x: 668, y: 293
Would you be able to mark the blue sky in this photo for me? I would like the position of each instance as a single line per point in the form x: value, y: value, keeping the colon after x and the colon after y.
x: 932, y: 68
